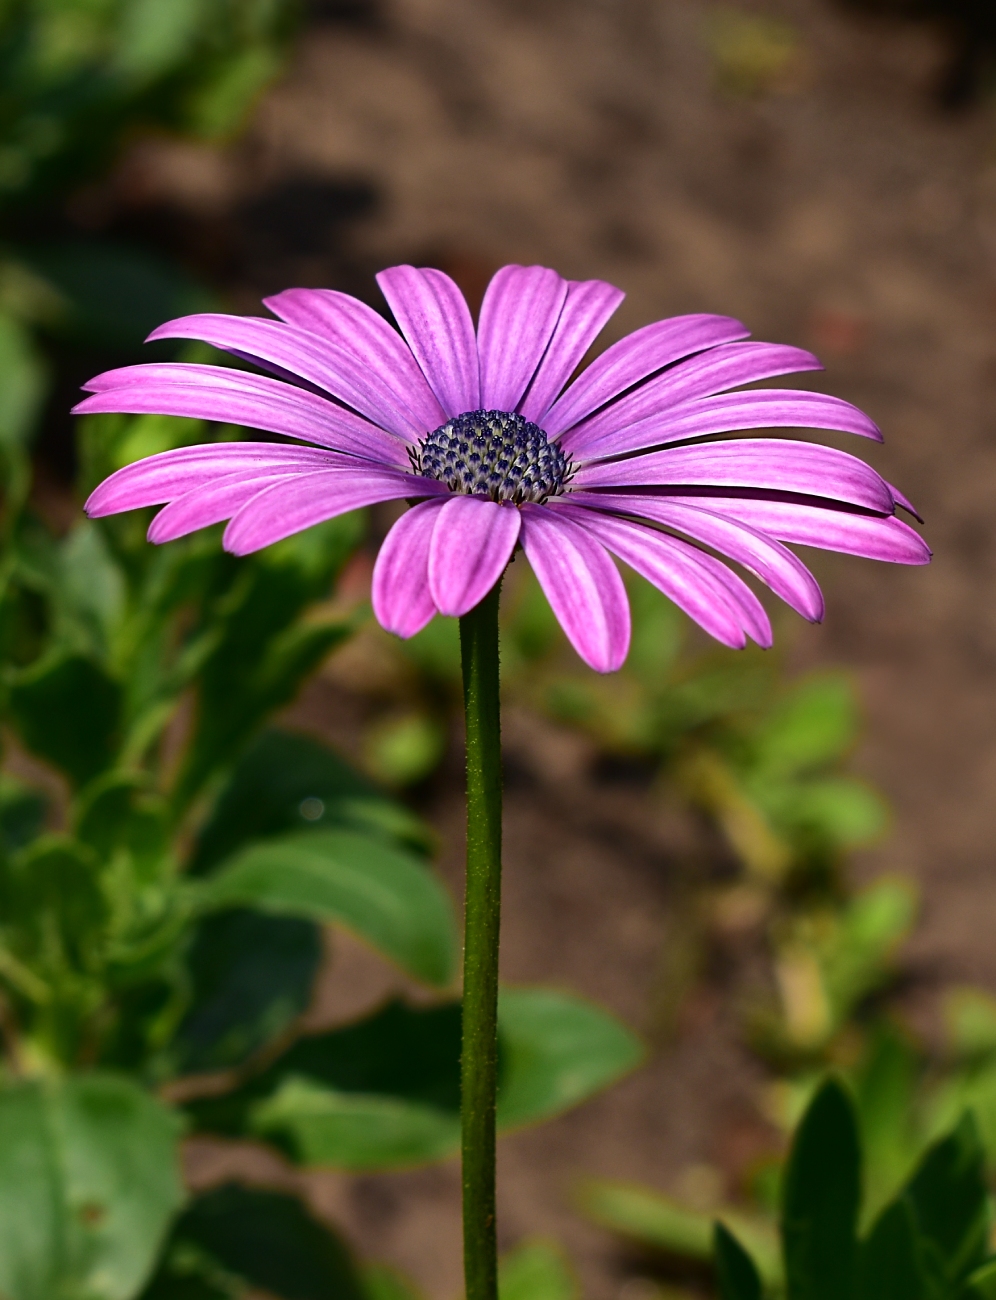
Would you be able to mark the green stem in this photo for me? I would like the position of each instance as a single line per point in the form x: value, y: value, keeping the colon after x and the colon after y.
x: 479, y: 1057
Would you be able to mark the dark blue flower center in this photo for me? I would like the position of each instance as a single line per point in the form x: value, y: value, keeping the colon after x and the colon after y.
x: 494, y: 454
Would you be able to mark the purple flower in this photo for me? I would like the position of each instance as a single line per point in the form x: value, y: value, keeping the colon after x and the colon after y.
x: 481, y: 435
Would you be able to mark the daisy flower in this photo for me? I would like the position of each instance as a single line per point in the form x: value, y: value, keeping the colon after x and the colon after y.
x: 492, y: 447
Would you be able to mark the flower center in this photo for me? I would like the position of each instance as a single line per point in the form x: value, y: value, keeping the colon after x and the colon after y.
x: 494, y: 454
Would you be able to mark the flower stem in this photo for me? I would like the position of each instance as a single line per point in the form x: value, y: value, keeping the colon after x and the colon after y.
x: 479, y: 1056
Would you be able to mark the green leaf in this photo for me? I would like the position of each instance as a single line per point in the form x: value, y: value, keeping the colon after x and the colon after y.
x: 555, y: 1051
x: 536, y: 1270
x: 386, y: 896
x: 92, y: 587
x: 22, y: 814
x: 950, y: 1202
x: 251, y: 976
x: 821, y: 1197
x: 25, y: 381
x: 982, y: 1284
x: 286, y: 781
x: 118, y: 812
x: 89, y: 1181
x: 67, y: 710
x: 386, y: 1092
x: 813, y: 726
x: 52, y: 908
x: 267, y: 1240
x: 885, y: 1085
x: 735, y: 1271
x: 663, y: 1224
x: 381, y: 1282
x: 888, y: 1261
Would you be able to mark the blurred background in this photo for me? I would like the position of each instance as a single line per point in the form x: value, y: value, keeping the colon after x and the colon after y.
x: 756, y: 862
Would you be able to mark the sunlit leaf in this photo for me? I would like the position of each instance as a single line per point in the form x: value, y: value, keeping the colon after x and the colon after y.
x: 89, y: 1181
x: 536, y: 1270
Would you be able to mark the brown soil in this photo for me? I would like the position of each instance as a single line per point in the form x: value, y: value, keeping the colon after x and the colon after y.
x: 823, y: 197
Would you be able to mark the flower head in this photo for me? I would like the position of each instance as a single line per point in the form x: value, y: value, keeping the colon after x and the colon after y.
x: 479, y: 432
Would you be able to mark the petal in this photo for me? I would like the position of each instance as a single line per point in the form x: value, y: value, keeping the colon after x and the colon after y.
x: 170, y: 474
x: 472, y: 542
x: 402, y: 600
x: 233, y: 396
x: 435, y: 319
x: 307, y: 499
x: 354, y: 380
x: 767, y: 559
x: 904, y: 501
x: 634, y: 358
x: 727, y: 366
x: 673, y: 567
x: 829, y: 528
x: 353, y: 325
x: 207, y: 505
x: 764, y: 408
x: 582, y: 585
x: 771, y: 463
x: 587, y: 307
x: 518, y: 316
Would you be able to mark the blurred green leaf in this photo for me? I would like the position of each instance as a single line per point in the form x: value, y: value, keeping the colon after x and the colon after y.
x: 402, y: 751
x: 885, y: 1093
x: 251, y: 975
x: 821, y: 1198
x: 735, y: 1271
x: 92, y: 589
x: 25, y: 384
x: 982, y: 1283
x: 386, y: 896
x: 267, y: 1240
x: 888, y: 1261
x: 870, y: 928
x: 950, y: 1203
x: 22, y: 814
x: 89, y: 1181
x: 814, y: 725
x: 536, y: 1270
x: 67, y: 710
x: 556, y: 1050
x: 380, y: 1282
x: 385, y: 1092
x: 286, y: 781
x: 119, y: 812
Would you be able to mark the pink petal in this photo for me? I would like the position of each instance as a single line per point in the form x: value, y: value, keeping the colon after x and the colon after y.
x: 582, y: 585
x: 634, y: 358
x: 402, y: 599
x: 518, y: 316
x: 472, y: 542
x: 761, y: 555
x: 587, y: 307
x: 727, y: 366
x: 353, y: 325
x: 207, y: 505
x: 170, y: 474
x: 673, y: 567
x: 297, y: 503
x: 353, y: 379
x: 904, y: 501
x: 233, y: 396
x: 777, y: 464
x: 821, y: 525
x: 764, y: 408
x: 435, y: 319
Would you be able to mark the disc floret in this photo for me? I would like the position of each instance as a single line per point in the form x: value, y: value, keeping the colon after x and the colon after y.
x: 495, y: 454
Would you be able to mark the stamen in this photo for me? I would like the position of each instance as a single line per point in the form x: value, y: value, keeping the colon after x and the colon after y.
x: 495, y: 454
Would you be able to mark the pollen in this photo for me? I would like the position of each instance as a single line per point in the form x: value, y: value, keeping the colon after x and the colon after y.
x: 495, y: 454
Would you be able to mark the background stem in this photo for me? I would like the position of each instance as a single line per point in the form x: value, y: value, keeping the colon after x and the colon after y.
x: 478, y: 1062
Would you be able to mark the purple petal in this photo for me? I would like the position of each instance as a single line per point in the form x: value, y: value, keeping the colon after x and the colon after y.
x: 353, y: 325
x: 768, y: 560
x: 208, y: 504
x: 170, y: 474
x: 904, y: 501
x: 681, y: 572
x: 727, y: 366
x: 634, y: 358
x: 402, y: 600
x: 830, y: 529
x: 233, y: 396
x: 765, y: 408
x: 307, y: 499
x: 777, y: 464
x: 435, y: 319
x: 472, y: 542
x: 518, y: 316
x: 582, y: 585
x: 587, y: 307
x: 354, y: 380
